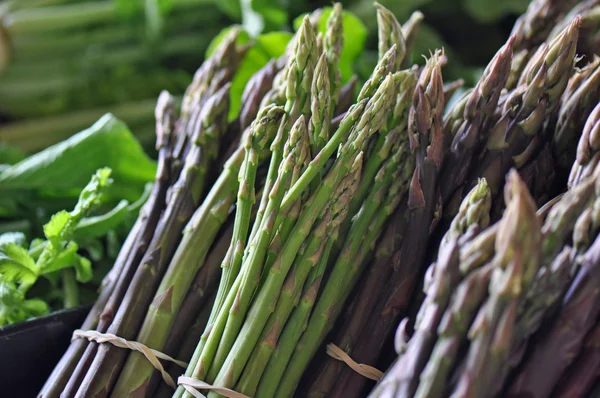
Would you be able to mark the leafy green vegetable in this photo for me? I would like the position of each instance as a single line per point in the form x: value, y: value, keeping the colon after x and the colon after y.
x: 14, y: 307
x: 262, y: 15
x: 64, y: 168
x: 355, y: 35
x: 20, y: 268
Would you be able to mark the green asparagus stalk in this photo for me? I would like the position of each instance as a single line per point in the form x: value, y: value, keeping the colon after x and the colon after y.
x: 78, y: 360
x: 390, y: 33
x: 296, y: 155
x: 188, y: 258
x: 185, y: 196
x: 326, y: 230
x: 410, y: 29
x: 401, y: 159
x: 333, y: 42
x: 259, y: 137
x: 587, y: 152
x: 321, y: 106
x: 392, y: 134
x: 296, y: 97
x: 260, y: 310
x: 299, y: 74
x: 365, y: 113
x: 515, y: 265
x: 357, y: 313
x: 577, y: 103
x: 348, y: 267
x: 426, y: 139
x: 295, y: 325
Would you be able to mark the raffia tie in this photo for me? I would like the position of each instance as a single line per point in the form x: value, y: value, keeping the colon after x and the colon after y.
x: 360, y: 368
x: 154, y: 356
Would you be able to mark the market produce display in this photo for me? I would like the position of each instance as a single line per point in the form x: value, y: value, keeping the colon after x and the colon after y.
x: 451, y: 246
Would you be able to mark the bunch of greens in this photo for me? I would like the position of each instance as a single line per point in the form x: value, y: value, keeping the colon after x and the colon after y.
x: 33, y: 192
x: 53, y: 258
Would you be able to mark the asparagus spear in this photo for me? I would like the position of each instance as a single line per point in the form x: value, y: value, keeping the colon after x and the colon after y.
x: 358, y: 311
x: 210, y: 77
x: 571, y: 213
x: 80, y: 354
x: 260, y: 310
x: 189, y: 257
x: 295, y: 325
x: 359, y: 244
x: 587, y: 154
x: 333, y: 42
x: 515, y: 266
x: 321, y: 105
x: 390, y: 33
x: 184, y: 197
x: 296, y: 96
x: 410, y: 29
x: 299, y: 73
x: 514, y: 137
x: 532, y: 29
x: 452, y: 332
x: 468, y: 120
x: 392, y: 134
x: 400, y: 160
x: 557, y: 347
x: 443, y: 275
x: 581, y: 375
x: 296, y: 155
x: 259, y: 136
x: 578, y: 101
x: 324, y: 232
x: 425, y: 126
x: 193, y: 315
x: 359, y: 114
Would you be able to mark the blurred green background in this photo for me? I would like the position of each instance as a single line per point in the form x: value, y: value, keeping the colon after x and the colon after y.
x: 64, y: 63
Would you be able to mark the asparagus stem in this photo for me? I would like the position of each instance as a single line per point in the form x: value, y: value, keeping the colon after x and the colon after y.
x: 185, y: 196
x: 297, y: 151
x: 127, y: 260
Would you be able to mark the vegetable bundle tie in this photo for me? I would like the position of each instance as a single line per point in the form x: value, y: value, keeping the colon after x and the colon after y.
x: 154, y: 357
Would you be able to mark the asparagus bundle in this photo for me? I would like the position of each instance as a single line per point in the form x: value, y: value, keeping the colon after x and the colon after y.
x: 199, y: 143
x: 334, y: 202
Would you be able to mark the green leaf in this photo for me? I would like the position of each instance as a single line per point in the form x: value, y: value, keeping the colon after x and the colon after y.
x: 66, y: 166
x: 355, y: 36
x: 485, y: 11
x: 14, y: 307
x: 231, y: 8
x: 262, y: 15
x: 265, y: 47
x: 10, y: 155
x: 55, y: 227
x: 83, y: 269
x: 16, y: 265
